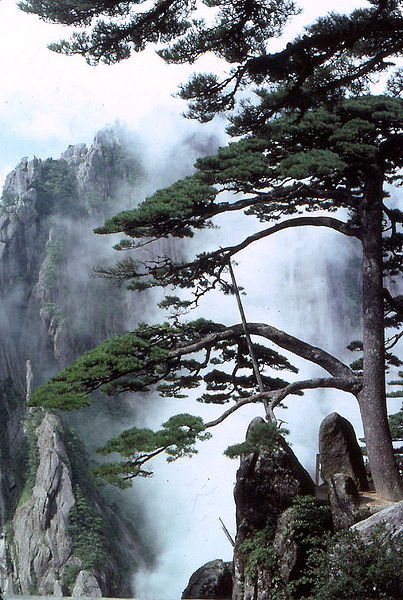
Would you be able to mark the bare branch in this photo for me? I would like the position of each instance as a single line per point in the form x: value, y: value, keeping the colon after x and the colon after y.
x: 274, y: 398
x: 235, y: 407
x: 392, y: 341
x: 316, y: 355
x: 352, y: 385
x: 329, y: 222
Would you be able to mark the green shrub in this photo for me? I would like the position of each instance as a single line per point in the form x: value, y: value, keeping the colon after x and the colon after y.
x: 70, y: 573
x: 87, y: 532
x: 262, y: 437
x: 352, y: 567
x: 311, y: 524
x: 8, y: 198
x: 258, y: 552
x: 57, y: 190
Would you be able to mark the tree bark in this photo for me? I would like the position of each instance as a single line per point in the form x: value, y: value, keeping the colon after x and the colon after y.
x: 372, y: 398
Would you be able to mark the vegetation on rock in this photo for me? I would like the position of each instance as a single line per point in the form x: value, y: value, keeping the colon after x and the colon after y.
x: 56, y: 189
x: 353, y: 567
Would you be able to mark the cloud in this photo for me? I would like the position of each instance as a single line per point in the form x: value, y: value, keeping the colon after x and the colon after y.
x: 46, y: 97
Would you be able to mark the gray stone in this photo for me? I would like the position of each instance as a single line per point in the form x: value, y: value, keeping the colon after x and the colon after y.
x: 392, y: 517
x: 42, y: 543
x: 286, y: 547
x: 266, y: 484
x: 212, y: 580
x: 86, y: 585
x: 344, y: 501
x: 340, y: 452
x: 75, y: 154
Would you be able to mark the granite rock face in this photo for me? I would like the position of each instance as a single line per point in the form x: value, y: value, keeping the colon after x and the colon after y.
x: 266, y: 484
x: 42, y: 544
x: 213, y: 580
x: 392, y: 517
x: 340, y: 452
x: 49, y: 314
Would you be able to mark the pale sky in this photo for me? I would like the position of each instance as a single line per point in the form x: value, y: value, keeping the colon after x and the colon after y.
x: 48, y: 101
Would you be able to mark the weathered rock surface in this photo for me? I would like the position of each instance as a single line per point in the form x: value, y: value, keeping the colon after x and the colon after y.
x: 340, y: 452
x: 213, y: 580
x: 49, y: 315
x: 344, y: 500
x: 42, y: 544
x: 86, y: 585
x: 392, y: 517
x: 286, y: 547
x: 266, y: 484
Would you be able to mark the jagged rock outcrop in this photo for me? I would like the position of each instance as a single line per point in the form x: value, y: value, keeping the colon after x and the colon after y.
x: 47, y: 537
x: 340, y: 452
x: 47, y: 249
x: 41, y: 543
x: 49, y: 314
x: 212, y: 580
x: 266, y: 484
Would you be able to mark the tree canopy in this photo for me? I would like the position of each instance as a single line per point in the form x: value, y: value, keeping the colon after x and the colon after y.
x: 338, y: 52
x: 317, y: 150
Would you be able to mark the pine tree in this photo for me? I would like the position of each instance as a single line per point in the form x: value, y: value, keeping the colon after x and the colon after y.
x: 336, y: 53
x: 316, y: 140
x: 337, y: 159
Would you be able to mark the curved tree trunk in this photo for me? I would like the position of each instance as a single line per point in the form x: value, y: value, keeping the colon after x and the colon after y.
x: 372, y: 398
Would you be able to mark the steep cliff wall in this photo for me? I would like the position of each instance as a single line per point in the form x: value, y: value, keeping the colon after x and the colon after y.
x: 50, y: 313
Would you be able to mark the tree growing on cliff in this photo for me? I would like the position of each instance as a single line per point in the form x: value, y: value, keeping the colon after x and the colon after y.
x: 320, y: 142
x: 333, y: 159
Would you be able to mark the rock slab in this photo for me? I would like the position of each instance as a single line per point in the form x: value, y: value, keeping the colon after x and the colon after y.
x: 213, y: 580
x: 392, y: 517
x: 340, y: 451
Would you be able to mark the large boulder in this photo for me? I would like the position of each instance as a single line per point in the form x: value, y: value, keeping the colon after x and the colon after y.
x: 391, y: 517
x: 86, y: 586
x: 340, y: 452
x: 266, y: 484
x: 212, y: 580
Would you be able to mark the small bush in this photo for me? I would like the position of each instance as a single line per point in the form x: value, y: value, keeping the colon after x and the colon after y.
x: 87, y: 532
x: 352, y: 567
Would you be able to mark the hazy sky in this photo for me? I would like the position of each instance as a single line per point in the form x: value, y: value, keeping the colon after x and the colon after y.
x: 48, y: 101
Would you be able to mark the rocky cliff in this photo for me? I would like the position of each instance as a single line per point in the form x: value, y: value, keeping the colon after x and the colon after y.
x: 60, y: 535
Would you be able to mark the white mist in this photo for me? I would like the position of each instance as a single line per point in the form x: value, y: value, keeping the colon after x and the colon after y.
x: 289, y: 281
